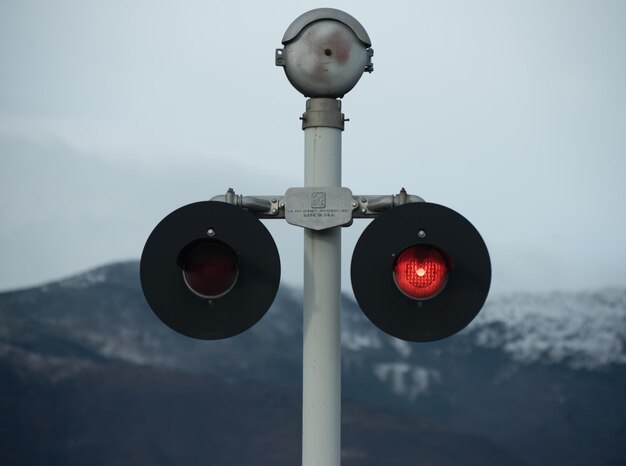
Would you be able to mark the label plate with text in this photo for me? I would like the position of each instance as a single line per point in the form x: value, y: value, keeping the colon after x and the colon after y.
x: 318, y: 208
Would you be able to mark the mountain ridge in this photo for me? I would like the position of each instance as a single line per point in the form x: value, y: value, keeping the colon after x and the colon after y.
x: 528, y: 375
x: 557, y: 331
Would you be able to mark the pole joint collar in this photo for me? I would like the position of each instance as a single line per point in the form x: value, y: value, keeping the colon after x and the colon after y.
x: 325, y: 112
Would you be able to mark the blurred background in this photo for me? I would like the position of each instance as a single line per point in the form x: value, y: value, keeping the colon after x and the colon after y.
x: 113, y: 114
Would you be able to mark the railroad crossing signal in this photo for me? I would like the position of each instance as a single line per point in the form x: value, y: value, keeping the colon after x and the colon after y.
x: 420, y: 271
x: 210, y: 270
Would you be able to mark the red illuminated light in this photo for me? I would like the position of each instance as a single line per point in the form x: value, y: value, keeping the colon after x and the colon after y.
x: 420, y: 271
x: 210, y: 269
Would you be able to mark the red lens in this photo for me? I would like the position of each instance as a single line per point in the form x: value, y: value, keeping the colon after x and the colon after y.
x: 420, y: 271
x: 210, y: 269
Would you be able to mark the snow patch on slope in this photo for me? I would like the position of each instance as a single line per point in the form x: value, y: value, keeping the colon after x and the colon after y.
x: 85, y: 280
x: 406, y: 379
x: 585, y: 331
x: 355, y: 341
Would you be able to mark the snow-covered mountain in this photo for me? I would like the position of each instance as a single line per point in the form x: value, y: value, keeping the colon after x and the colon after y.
x: 540, y: 375
x: 582, y: 330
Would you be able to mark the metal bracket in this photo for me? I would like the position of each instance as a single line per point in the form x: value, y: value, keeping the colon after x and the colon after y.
x: 317, y: 208
x: 369, y: 66
x: 372, y: 206
x: 279, y: 57
x: 261, y: 206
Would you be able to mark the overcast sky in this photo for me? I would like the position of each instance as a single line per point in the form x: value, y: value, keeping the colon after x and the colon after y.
x: 115, y: 113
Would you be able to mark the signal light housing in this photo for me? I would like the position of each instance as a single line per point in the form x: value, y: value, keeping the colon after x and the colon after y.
x: 210, y: 270
x: 398, y: 275
x: 420, y: 271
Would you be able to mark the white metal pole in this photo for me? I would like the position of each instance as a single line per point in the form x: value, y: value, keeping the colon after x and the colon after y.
x: 321, y: 398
